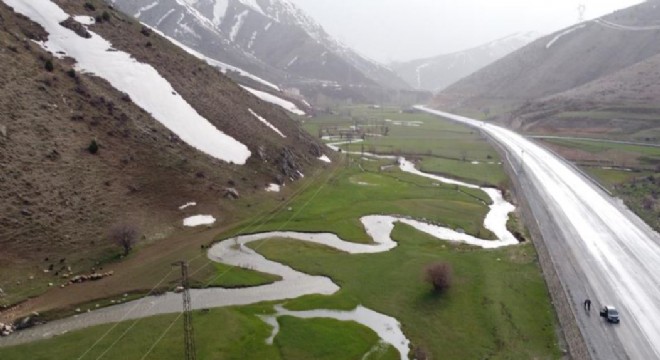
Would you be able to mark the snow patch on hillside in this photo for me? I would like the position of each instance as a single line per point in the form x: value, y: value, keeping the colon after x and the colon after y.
x: 562, y: 34
x: 286, y: 105
x: 198, y: 220
x: 219, y: 11
x: 240, y: 18
x: 253, y: 5
x: 146, y: 8
x: 167, y: 14
x: 140, y: 81
x: 273, y: 188
x: 267, y: 123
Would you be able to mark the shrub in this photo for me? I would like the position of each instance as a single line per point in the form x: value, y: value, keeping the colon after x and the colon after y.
x: 105, y: 16
x: 49, y: 65
x: 439, y: 275
x: 124, y: 235
x: 93, y: 147
x: 89, y: 6
x: 72, y: 73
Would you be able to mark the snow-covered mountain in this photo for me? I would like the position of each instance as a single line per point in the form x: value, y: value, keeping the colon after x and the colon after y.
x: 271, y: 39
x: 436, y: 73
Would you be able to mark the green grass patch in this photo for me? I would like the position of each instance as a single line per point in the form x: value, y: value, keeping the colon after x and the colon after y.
x: 487, y: 172
x: 498, y: 306
x: 225, y: 276
x: 227, y: 333
x: 328, y: 339
x: 337, y: 205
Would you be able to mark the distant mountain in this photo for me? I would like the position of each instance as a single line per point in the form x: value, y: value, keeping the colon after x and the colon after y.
x: 436, y: 73
x: 105, y: 121
x: 271, y: 39
x: 606, y: 63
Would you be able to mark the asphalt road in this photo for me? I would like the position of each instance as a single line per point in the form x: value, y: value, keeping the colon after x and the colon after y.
x: 600, y: 249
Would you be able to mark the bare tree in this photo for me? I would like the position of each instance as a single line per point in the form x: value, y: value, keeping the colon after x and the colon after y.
x: 125, y: 236
x: 439, y: 275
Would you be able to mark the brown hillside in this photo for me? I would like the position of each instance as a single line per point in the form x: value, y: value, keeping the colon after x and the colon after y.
x: 566, y: 60
x: 58, y: 201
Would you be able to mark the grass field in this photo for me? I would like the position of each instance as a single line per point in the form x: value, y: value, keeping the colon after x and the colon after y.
x: 497, y: 308
x: 228, y: 333
x: 443, y: 147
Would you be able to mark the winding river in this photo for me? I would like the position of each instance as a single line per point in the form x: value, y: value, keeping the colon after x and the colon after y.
x: 294, y: 284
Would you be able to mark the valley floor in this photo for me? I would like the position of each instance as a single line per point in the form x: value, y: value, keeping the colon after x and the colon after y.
x: 498, y: 306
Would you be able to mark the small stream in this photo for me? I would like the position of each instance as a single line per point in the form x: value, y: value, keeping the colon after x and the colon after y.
x: 235, y: 252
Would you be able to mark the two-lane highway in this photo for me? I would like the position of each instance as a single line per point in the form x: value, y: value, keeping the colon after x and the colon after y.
x: 600, y: 249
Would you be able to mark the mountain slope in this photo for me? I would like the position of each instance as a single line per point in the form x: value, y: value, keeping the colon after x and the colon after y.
x: 272, y: 39
x: 561, y: 61
x: 59, y: 197
x: 436, y: 73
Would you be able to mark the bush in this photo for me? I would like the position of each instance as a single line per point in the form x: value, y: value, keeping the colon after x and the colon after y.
x: 125, y: 236
x: 93, y: 147
x: 71, y: 73
x: 105, y: 16
x: 89, y: 6
x: 49, y: 65
x: 439, y: 275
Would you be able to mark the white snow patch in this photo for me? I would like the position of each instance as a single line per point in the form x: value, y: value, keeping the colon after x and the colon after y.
x: 219, y: 11
x: 146, y: 8
x: 293, y: 61
x: 185, y: 206
x: 273, y: 188
x: 268, y: 26
x: 253, y: 5
x: 265, y: 122
x: 286, y: 105
x: 475, y: 163
x: 85, y: 20
x: 554, y: 40
x: 167, y: 14
x: 140, y: 81
x: 252, y: 39
x: 199, y: 220
x: 240, y: 18
x: 325, y: 158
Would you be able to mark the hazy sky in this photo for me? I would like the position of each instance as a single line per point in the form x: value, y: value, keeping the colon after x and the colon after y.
x: 387, y: 30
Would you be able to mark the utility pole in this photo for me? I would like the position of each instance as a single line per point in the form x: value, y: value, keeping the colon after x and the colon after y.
x: 188, y: 331
x: 582, y: 9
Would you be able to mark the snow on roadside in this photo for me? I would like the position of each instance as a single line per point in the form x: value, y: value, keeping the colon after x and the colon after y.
x: 325, y: 158
x: 185, y: 206
x: 559, y: 36
x: 265, y: 122
x: 285, y: 104
x: 140, y: 81
x: 273, y: 188
x: 198, y: 220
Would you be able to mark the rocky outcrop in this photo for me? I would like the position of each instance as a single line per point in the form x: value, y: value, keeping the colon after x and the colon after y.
x: 76, y: 27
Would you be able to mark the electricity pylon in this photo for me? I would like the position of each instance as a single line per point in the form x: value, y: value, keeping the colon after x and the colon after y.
x: 188, y: 331
x: 582, y: 9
